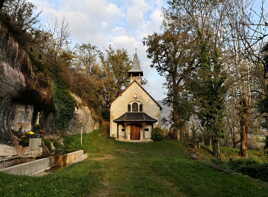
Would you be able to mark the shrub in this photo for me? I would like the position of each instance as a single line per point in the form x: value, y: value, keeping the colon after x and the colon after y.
x: 251, y: 168
x: 64, y: 104
x: 242, y: 163
x: 24, y: 141
x: 47, y: 143
x: 157, y: 134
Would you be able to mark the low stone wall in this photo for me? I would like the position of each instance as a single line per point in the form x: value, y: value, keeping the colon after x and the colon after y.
x: 31, y: 168
x: 41, y: 165
x: 7, y: 151
x: 70, y: 158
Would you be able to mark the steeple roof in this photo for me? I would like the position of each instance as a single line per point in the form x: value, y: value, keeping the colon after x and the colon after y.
x: 136, y: 66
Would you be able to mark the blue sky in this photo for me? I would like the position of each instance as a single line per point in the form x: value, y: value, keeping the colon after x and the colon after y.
x: 119, y: 23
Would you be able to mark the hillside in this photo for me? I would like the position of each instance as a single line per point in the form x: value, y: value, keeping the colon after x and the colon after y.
x: 127, y: 170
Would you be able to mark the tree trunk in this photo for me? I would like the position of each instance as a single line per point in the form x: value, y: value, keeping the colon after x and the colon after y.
x: 216, y: 147
x: 233, y: 138
x: 244, y: 127
x: 207, y: 140
x: 244, y: 141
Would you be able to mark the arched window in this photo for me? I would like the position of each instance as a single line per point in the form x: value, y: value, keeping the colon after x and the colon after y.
x: 141, y: 107
x: 135, y: 107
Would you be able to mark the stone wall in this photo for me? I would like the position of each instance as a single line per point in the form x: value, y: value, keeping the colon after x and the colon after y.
x: 82, y: 120
x: 7, y: 151
x: 38, y: 166
x: 23, y: 118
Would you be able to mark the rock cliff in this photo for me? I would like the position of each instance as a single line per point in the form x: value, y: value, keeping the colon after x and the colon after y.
x: 13, y: 59
x: 21, y: 106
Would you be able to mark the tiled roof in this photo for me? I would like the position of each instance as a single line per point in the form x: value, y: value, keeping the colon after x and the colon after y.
x: 135, y: 117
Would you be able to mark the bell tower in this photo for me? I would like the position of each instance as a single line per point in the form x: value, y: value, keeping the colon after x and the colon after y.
x: 135, y: 73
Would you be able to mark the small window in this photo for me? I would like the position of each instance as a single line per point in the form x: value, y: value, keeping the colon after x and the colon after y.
x: 135, y: 107
x: 129, y: 108
x: 123, y: 129
x: 141, y: 107
x: 146, y: 129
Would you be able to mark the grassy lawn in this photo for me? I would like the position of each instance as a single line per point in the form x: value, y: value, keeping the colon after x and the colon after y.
x: 132, y: 170
x: 228, y: 153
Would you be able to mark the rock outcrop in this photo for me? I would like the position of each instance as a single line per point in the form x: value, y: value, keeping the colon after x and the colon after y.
x: 21, y: 104
x: 13, y: 62
x: 83, y: 119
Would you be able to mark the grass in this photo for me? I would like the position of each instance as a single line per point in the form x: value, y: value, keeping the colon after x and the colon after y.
x: 159, y: 169
x: 231, y: 154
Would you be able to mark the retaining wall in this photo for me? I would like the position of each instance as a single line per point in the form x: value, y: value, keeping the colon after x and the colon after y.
x: 41, y: 165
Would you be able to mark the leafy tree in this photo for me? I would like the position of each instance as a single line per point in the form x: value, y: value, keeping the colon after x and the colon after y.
x: 188, y: 54
x: 115, y: 67
x: 171, y: 57
x: 99, y: 77
x: 209, y: 88
x: 87, y: 56
x: 21, y: 12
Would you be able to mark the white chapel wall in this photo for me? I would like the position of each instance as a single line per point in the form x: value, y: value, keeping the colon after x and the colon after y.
x: 120, y: 106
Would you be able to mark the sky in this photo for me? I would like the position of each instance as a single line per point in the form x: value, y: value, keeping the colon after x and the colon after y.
x: 119, y: 23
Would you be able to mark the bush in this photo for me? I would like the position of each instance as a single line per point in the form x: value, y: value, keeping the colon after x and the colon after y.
x: 250, y: 168
x: 242, y: 163
x: 64, y: 104
x: 157, y: 134
x: 24, y: 141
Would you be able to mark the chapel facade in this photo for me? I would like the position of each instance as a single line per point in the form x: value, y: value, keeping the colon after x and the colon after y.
x: 134, y: 113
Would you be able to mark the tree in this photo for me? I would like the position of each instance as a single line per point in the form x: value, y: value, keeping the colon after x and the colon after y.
x: 179, y: 52
x: 220, y: 48
x: 99, y: 77
x: 171, y: 58
x: 209, y: 88
x: 115, y: 67
x: 248, y: 32
x: 87, y: 56
x: 21, y: 12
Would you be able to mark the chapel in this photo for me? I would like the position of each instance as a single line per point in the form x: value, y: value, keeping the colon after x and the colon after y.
x: 134, y: 113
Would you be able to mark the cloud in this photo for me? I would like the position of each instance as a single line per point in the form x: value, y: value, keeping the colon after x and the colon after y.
x: 86, y: 19
x: 125, y: 41
x: 136, y: 12
x: 120, y: 23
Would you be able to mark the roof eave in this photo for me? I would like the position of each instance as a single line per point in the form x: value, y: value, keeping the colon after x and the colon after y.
x: 130, y: 121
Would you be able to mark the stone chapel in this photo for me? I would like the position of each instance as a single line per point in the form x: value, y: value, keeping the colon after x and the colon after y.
x: 134, y: 113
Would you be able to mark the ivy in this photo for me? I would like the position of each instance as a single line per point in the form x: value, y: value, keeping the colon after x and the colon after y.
x: 64, y: 105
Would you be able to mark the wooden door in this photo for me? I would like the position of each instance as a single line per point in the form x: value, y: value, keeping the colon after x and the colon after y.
x: 135, y: 132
